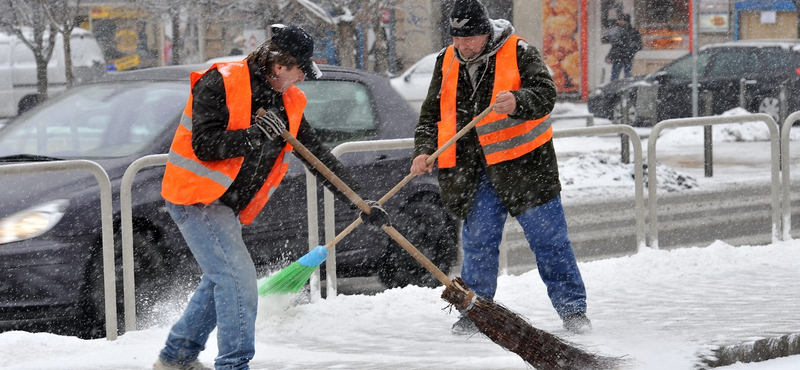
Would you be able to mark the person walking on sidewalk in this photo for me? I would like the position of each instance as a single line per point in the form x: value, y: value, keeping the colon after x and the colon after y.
x: 224, y: 164
x: 506, y: 164
x: 625, y: 43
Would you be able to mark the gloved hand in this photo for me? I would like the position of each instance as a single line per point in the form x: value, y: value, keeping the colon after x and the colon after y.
x: 377, y: 216
x: 271, y: 123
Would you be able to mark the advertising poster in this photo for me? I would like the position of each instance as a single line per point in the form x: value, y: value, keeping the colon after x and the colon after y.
x: 560, y: 46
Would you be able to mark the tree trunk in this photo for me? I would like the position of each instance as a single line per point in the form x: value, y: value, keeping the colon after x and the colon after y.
x: 41, y: 76
x: 68, y: 56
x: 176, y: 47
x: 346, y: 45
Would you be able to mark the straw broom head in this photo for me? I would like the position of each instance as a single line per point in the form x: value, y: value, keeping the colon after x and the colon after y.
x: 538, y: 348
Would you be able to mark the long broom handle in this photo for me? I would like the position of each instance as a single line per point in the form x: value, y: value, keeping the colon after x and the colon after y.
x: 322, y: 168
x: 438, y: 152
x: 414, y: 252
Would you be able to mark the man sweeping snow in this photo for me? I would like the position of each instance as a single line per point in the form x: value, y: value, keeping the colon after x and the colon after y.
x: 507, y: 164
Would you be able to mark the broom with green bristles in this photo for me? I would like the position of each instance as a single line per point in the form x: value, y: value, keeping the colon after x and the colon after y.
x: 293, y: 278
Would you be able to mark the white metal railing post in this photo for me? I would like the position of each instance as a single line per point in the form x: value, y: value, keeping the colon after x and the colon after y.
x: 786, y: 161
x: 126, y: 226
x: 702, y: 121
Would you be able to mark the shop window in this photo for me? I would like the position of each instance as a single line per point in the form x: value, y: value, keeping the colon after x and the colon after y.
x: 664, y: 24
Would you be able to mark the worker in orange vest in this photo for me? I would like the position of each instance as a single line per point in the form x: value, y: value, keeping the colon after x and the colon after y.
x: 506, y: 164
x: 224, y: 164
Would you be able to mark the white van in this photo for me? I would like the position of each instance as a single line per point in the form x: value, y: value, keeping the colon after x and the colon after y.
x: 18, y: 68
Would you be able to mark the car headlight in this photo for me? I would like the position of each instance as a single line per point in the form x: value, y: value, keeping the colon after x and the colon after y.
x: 32, y: 222
x: 598, y: 91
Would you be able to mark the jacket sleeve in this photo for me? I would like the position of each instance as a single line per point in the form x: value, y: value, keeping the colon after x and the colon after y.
x: 211, y: 141
x: 308, y: 137
x: 427, y: 131
x: 537, y: 94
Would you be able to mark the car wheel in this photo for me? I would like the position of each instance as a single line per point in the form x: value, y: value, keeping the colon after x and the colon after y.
x: 157, y: 275
x: 772, y: 106
x: 430, y: 229
x: 617, y: 113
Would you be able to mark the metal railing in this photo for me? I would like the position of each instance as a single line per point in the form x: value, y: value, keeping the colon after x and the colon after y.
x: 396, y: 144
x: 330, y: 227
x: 362, y: 146
x: 704, y: 121
x: 638, y: 178
x: 786, y: 160
x: 125, y: 209
x: 106, y: 219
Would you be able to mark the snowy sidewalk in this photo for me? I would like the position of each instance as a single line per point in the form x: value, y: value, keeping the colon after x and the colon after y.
x: 660, y: 309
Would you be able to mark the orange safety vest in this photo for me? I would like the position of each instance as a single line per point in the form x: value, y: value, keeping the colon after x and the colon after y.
x: 501, y: 137
x: 189, y: 180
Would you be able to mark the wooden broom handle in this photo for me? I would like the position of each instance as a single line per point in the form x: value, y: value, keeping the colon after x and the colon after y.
x: 438, y: 152
x: 414, y: 252
x: 322, y: 168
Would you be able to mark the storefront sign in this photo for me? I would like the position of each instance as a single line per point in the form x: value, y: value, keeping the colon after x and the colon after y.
x: 714, y: 22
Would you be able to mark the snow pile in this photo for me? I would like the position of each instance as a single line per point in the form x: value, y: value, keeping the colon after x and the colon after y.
x: 745, y: 131
x: 604, y: 173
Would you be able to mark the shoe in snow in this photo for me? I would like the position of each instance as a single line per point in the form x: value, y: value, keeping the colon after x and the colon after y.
x: 578, y: 323
x: 464, y: 326
x: 164, y: 365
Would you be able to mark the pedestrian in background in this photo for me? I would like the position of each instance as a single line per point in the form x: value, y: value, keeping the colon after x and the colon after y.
x: 507, y: 164
x: 625, y: 43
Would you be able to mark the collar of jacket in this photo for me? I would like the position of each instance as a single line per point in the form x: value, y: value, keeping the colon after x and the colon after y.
x: 260, y: 86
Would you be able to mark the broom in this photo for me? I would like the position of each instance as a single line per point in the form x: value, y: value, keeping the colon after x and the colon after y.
x: 504, y: 327
x: 293, y: 278
x: 540, y: 349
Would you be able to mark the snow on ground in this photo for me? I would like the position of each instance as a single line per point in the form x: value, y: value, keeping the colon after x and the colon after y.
x: 409, y: 328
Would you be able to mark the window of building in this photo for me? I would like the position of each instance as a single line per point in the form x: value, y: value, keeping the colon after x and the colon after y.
x: 664, y: 24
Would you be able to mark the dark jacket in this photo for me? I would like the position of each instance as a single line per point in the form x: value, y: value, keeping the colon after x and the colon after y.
x: 211, y: 141
x: 522, y: 183
x: 625, y: 42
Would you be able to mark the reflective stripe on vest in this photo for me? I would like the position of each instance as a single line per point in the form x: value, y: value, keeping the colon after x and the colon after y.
x: 501, y: 137
x: 189, y: 180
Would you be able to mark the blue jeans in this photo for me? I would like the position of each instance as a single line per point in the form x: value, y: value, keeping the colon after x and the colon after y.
x: 618, y: 66
x: 227, y: 295
x: 544, y: 227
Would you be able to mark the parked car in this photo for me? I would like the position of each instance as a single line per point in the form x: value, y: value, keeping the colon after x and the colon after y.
x: 50, y: 230
x: 763, y: 65
x: 413, y: 83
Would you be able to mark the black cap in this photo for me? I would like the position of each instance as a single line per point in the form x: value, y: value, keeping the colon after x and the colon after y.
x: 298, y: 43
x: 469, y: 18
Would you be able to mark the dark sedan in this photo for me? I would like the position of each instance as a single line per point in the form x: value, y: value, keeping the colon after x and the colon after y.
x: 50, y: 255
x: 748, y: 73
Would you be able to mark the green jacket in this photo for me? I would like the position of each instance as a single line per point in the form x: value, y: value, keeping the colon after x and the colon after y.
x: 522, y: 183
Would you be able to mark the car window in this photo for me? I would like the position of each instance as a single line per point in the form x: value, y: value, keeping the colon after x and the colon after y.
x: 102, y: 120
x: 778, y: 61
x: 682, y: 68
x: 339, y: 111
x: 736, y: 62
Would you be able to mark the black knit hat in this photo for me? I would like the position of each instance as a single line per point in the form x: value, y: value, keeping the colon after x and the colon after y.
x: 299, y: 44
x: 469, y: 18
